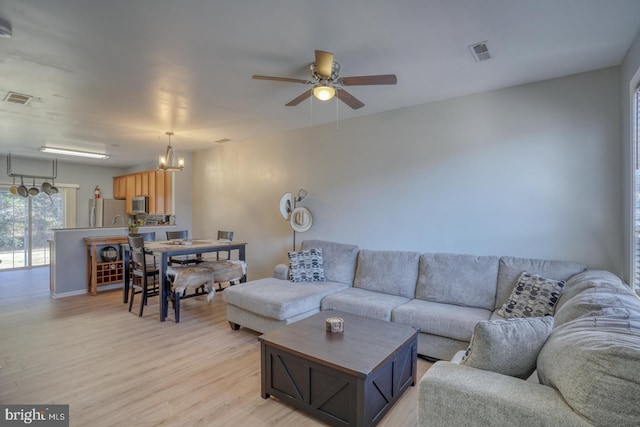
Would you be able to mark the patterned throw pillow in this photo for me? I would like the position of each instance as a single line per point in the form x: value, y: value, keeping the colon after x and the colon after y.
x: 306, y: 266
x: 533, y: 296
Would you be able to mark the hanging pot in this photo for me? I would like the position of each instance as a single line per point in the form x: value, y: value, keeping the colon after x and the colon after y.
x: 34, y: 191
x: 22, y: 190
x: 46, y: 188
x: 14, y: 189
x: 53, y: 189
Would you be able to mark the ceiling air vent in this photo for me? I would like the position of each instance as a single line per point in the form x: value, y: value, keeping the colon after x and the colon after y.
x: 18, y: 98
x: 222, y: 141
x: 480, y: 51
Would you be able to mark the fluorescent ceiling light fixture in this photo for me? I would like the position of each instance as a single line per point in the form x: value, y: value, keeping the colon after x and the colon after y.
x: 76, y: 153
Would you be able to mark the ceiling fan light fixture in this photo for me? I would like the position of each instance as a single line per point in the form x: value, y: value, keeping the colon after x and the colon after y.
x: 169, y: 162
x: 324, y: 92
x: 66, y: 152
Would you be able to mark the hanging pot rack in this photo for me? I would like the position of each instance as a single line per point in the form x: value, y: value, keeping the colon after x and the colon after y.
x: 54, y: 171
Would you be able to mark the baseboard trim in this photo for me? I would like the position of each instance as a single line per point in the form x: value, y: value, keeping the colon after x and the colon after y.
x: 82, y: 291
x: 68, y: 294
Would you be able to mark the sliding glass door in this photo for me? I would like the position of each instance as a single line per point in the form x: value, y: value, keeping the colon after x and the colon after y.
x: 25, y: 228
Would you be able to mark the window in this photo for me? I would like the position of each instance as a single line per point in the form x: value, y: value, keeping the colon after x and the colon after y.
x: 636, y: 189
x: 26, y: 224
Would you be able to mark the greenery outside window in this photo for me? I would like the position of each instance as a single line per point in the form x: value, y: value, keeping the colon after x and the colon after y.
x: 636, y: 189
x: 26, y: 225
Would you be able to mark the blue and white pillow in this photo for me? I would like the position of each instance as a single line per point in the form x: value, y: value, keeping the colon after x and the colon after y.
x: 306, y: 266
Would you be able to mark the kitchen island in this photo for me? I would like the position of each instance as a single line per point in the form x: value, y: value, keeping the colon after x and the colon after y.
x: 70, y: 256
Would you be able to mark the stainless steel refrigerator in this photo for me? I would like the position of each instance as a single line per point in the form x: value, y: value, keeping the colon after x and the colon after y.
x: 107, y: 213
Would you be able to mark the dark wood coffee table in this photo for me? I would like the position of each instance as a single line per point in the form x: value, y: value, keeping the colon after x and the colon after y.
x: 347, y: 379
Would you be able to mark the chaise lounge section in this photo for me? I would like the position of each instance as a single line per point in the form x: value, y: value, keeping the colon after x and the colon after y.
x: 266, y: 304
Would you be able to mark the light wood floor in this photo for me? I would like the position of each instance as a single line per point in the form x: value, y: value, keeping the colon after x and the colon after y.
x: 115, y: 369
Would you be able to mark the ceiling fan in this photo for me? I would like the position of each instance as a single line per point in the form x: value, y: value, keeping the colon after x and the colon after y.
x: 327, y: 82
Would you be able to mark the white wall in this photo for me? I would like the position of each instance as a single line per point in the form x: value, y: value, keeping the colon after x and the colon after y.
x: 529, y: 171
x: 630, y: 78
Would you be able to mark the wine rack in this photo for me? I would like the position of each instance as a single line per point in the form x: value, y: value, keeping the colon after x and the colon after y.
x: 109, y: 272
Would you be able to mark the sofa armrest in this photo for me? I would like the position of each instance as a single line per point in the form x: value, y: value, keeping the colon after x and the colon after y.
x: 281, y: 271
x: 454, y: 395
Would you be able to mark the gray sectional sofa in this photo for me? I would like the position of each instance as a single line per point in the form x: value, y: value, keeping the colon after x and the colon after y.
x: 442, y: 295
x: 588, y: 369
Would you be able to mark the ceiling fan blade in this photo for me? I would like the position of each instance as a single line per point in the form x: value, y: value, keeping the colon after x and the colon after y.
x: 349, y: 99
x: 324, y: 63
x: 382, y: 79
x: 299, y: 99
x: 280, y: 79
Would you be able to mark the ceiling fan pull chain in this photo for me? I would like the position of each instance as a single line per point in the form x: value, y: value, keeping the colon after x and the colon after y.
x: 337, y: 110
x: 311, y: 111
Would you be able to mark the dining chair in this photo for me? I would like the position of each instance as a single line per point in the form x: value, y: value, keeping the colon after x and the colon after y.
x: 225, y: 235
x: 145, y: 275
x: 228, y: 235
x: 182, y: 259
x: 148, y: 236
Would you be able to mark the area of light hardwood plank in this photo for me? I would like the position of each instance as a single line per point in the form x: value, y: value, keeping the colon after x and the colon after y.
x: 116, y: 369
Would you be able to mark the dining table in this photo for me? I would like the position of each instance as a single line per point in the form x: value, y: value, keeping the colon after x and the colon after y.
x: 169, y: 248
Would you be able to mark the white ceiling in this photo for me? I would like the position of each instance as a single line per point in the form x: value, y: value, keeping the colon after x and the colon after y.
x: 115, y: 75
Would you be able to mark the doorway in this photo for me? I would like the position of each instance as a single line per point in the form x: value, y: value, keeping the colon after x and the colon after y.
x: 25, y: 228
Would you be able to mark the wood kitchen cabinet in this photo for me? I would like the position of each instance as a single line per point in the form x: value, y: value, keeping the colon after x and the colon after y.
x: 138, y: 181
x: 157, y: 185
x: 119, y: 187
x: 130, y: 182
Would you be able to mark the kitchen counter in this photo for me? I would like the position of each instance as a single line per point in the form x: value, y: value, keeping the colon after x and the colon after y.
x: 68, y: 273
x: 115, y: 227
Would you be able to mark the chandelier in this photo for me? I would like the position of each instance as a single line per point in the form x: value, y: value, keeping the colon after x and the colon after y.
x: 169, y: 162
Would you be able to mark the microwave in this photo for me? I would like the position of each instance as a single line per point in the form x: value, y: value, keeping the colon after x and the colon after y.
x: 140, y: 205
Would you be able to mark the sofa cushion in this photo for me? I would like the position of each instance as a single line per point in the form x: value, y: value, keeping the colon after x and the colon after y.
x: 339, y: 259
x: 593, y: 354
x: 583, y: 294
x: 533, y: 296
x: 365, y: 303
x: 465, y: 280
x: 389, y: 272
x: 599, y: 304
x: 510, y: 269
x: 279, y: 299
x: 444, y: 320
x: 593, y: 362
x: 508, y: 347
x: 306, y: 266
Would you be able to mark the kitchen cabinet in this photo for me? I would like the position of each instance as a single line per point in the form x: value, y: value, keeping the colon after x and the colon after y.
x: 168, y: 193
x: 138, y: 181
x: 130, y: 182
x: 119, y: 187
x: 144, y: 183
x: 157, y: 185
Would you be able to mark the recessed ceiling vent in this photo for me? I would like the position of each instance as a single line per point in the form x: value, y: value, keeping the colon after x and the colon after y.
x: 18, y: 98
x: 222, y: 141
x: 480, y: 51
